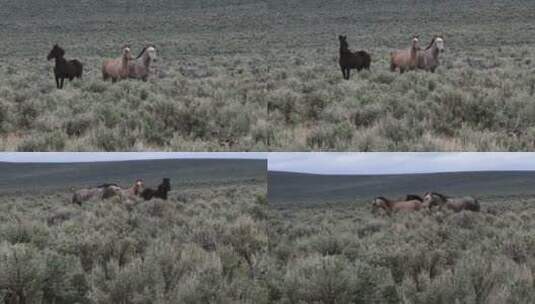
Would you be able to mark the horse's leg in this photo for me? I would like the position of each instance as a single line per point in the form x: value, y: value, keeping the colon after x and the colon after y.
x: 57, y: 82
x: 62, y: 80
x: 348, y: 73
x: 392, y: 67
x: 343, y: 72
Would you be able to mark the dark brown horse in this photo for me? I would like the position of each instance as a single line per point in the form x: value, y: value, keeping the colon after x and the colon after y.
x: 161, y: 192
x: 349, y: 60
x: 456, y: 204
x: 64, y: 69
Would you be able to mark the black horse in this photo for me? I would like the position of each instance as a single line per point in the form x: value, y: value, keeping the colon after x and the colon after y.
x: 64, y: 69
x: 161, y: 192
x: 349, y: 60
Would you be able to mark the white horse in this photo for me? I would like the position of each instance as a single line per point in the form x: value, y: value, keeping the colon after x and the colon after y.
x: 139, y: 68
x: 428, y: 58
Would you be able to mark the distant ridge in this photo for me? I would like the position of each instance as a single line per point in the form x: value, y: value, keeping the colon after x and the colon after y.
x: 28, y: 177
x: 303, y: 188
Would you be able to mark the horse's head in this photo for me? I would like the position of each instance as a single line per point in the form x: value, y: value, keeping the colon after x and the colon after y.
x: 127, y: 52
x: 343, y: 41
x: 415, y: 42
x: 138, y: 186
x: 439, y: 42
x: 432, y: 199
x: 151, y: 53
x: 56, y: 52
x: 166, y: 184
x: 379, y: 203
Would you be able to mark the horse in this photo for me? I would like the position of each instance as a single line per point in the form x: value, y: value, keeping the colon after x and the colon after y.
x: 456, y: 204
x: 135, y: 190
x: 140, y: 67
x: 161, y: 192
x: 115, y: 190
x: 349, y: 60
x: 87, y: 194
x: 428, y: 58
x: 389, y: 206
x: 64, y: 69
x: 117, y: 68
x: 405, y: 59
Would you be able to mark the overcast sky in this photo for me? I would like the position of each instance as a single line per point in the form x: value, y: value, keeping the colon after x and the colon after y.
x: 320, y: 163
x: 395, y: 163
x: 120, y: 156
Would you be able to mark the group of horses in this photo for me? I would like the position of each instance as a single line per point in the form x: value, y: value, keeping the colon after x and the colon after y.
x: 404, y: 60
x: 108, y: 190
x: 430, y: 200
x: 125, y: 66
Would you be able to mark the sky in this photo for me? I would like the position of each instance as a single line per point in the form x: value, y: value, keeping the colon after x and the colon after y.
x: 398, y: 163
x: 68, y: 157
x: 318, y: 162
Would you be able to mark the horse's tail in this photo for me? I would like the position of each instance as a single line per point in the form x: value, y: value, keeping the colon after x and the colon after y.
x: 392, y: 61
x: 76, y: 199
x: 79, y: 68
x: 105, y: 74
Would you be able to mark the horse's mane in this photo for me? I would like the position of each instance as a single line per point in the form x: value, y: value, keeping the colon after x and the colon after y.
x: 383, y: 198
x: 416, y: 197
x: 141, y: 54
x: 143, y: 50
x: 431, y: 43
x: 444, y: 197
x: 106, y: 185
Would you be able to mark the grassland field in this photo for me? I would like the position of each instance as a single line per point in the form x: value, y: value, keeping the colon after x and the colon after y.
x: 263, y: 75
x: 223, y: 242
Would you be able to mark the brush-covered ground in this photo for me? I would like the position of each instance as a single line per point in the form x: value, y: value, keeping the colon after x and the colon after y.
x: 224, y: 244
x: 202, y: 245
x: 343, y: 253
x: 204, y: 93
x: 263, y: 75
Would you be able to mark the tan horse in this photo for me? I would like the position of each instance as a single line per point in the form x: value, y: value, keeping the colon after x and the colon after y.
x: 405, y: 60
x: 87, y: 194
x: 129, y: 193
x: 117, y: 68
x: 456, y: 204
x: 395, y: 206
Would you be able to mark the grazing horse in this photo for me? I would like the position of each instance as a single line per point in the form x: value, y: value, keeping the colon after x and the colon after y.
x: 64, y: 69
x: 349, y: 60
x: 428, y: 58
x: 456, y: 204
x: 140, y: 67
x: 405, y: 59
x: 161, y: 192
x: 389, y: 206
x: 117, y: 68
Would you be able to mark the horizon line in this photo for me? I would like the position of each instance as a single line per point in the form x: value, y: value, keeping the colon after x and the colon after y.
x: 399, y: 173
